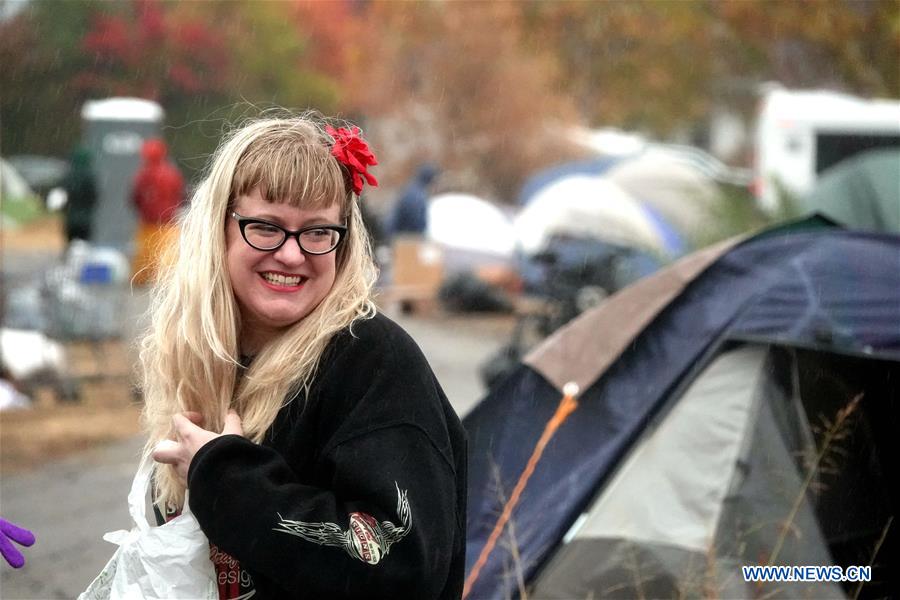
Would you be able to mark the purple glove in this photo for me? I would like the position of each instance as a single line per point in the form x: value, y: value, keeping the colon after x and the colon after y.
x: 10, y: 531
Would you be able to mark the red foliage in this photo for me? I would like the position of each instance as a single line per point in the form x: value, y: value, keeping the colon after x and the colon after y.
x: 149, y: 52
x: 151, y: 21
x: 333, y: 32
x: 110, y: 40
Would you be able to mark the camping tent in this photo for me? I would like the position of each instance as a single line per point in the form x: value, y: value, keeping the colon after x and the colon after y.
x: 588, y: 207
x: 672, y: 185
x: 862, y: 192
x: 473, y: 231
x: 548, y: 176
x: 706, y: 391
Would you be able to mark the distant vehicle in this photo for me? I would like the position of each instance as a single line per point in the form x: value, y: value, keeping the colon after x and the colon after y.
x: 799, y: 134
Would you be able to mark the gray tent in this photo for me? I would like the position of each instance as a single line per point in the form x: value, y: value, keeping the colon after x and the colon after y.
x: 862, y: 192
x: 737, y: 408
x: 705, y: 489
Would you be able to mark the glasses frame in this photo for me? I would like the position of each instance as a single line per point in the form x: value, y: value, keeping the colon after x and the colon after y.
x: 288, y: 234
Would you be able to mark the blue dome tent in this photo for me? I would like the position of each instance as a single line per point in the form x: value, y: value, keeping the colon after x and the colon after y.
x: 677, y: 458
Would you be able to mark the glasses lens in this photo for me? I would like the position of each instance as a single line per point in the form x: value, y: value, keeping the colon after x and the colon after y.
x: 263, y: 236
x: 319, y: 241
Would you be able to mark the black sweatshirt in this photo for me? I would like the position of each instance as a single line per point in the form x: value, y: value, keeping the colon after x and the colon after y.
x: 357, y: 492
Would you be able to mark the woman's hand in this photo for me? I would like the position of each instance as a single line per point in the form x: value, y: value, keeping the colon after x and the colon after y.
x: 189, y: 437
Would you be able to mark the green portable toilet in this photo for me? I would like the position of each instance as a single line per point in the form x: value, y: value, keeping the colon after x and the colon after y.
x: 114, y: 131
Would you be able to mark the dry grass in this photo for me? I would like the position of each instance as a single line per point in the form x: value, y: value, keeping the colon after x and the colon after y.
x: 43, y: 234
x: 30, y: 438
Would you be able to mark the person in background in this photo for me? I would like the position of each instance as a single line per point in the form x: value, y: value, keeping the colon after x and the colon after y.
x: 157, y: 193
x: 410, y: 213
x: 80, y: 186
x: 322, y: 457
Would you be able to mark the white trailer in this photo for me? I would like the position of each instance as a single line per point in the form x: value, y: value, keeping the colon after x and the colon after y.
x: 799, y: 134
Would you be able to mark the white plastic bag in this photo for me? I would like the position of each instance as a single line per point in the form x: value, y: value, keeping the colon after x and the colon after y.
x: 165, y: 561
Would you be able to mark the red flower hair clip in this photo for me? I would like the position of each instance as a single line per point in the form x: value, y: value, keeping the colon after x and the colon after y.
x: 353, y: 152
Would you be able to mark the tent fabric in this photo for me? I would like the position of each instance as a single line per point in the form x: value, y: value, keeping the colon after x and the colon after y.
x: 585, y: 206
x: 730, y: 298
x: 18, y: 202
x: 767, y: 482
x: 625, y: 568
x: 545, y: 177
x: 678, y: 526
x: 673, y: 240
x: 705, y: 429
x: 576, y: 353
x: 862, y: 192
x: 679, y: 191
x: 647, y: 571
x: 465, y: 222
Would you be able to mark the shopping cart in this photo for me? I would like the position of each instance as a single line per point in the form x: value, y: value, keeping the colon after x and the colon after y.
x: 85, y: 309
x: 83, y: 303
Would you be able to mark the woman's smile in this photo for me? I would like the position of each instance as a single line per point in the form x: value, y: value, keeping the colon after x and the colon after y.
x: 282, y: 282
x: 276, y: 288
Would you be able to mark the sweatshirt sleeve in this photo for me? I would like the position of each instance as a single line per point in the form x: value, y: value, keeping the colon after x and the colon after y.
x: 382, y: 530
x: 385, y: 525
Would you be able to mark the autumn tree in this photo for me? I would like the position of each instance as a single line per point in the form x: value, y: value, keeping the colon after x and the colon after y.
x: 485, y: 89
x: 40, y: 53
x: 208, y: 64
x: 845, y: 44
x: 139, y: 49
x: 452, y: 83
x: 639, y: 65
x: 662, y: 66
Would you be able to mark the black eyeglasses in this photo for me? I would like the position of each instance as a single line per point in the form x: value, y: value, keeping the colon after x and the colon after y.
x: 267, y: 236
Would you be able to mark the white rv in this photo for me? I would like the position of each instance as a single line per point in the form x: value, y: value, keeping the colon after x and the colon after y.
x: 799, y: 134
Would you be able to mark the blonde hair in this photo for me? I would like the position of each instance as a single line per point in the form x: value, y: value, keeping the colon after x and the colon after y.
x: 189, y: 356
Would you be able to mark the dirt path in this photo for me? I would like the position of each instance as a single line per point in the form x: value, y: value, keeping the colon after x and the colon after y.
x: 68, y: 504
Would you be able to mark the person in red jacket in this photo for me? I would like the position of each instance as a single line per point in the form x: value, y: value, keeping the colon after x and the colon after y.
x: 157, y: 194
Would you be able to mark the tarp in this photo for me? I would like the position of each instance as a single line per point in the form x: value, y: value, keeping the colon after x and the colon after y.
x: 828, y: 289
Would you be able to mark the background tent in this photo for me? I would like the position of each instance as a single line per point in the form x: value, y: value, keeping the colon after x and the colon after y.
x: 862, y: 192
x: 700, y: 388
x: 472, y: 230
x: 674, y: 187
x: 586, y: 207
x: 545, y: 177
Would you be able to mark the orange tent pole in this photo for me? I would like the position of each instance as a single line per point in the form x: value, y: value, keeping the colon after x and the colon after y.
x: 566, y: 406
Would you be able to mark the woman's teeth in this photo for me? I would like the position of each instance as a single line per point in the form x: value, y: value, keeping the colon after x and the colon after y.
x: 277, y: 279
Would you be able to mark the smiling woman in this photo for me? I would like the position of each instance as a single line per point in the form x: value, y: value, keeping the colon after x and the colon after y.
x: 277, y: 283
x: 321, y: 455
